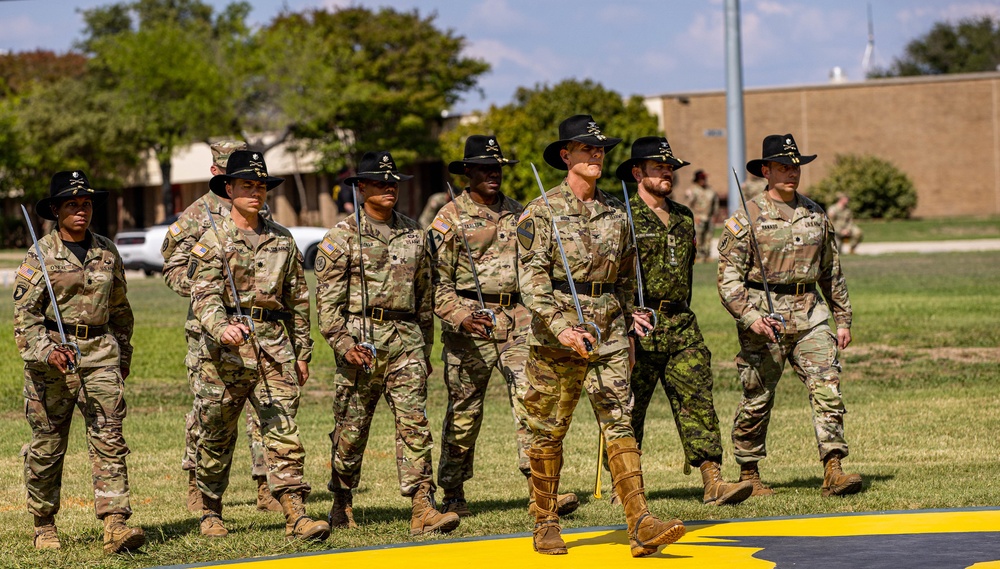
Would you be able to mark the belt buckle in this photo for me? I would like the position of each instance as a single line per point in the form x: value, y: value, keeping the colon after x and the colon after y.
x: 800, y: 288
x: 82, y: 331
x: 595, y: 289
x: 256, y: 313
x: 505, y: 299
x: 380, y: 312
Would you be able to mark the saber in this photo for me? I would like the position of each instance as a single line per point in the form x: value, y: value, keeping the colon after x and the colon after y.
x: 600, y: 464
x: 365, y: 344
x: 569, y: 275
x: 483, y: 311
x: 638, y: 269
x: 760, y: 262
x: 71, y: 367
x: 246, y: 320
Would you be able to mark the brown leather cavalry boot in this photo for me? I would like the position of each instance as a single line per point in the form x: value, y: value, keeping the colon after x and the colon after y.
x: 265, y: 501
x: 118, y: 537
x: 749, y: 473
x: 211, y: 517
x: 342, y: 510
x: 835, y: 482
x: 718, y: 492
x: 297, y: 524
x: 425, y: 518
x: 566, y: 503
x: 545, y: 466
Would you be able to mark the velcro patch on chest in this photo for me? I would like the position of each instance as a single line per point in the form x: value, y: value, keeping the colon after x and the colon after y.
x: 526, y: 233
x: 199, y: 250
x: 736, y: 226
x: 29, y: 273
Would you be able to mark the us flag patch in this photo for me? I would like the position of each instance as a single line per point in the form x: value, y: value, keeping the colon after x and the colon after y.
x: 734, y: 226
x: 440, y: 225
x: 199, y: 250
x: 328, y: 247
x: 27, y: 271
x: 175, y: 229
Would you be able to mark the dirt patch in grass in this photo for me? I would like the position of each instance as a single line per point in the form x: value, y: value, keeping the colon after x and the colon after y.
x: 894, y: 355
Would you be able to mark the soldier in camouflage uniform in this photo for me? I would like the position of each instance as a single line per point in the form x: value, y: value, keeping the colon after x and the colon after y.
x: 673, y: 354
x: 434, y: 204
x: 597, y: 240
x: 265, y: 365
x: 399, y: 322
x: 703, y: 203
x: 473, y: 345
x: 845, y: 230
x: 88, y: 281
x: 181, y: 236
x: 795, y: 240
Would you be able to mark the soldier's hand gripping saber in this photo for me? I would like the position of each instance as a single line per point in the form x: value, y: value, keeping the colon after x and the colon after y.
x: 584, y: 324
x: 638, y: 268
x: 483, y: 311
x: 75, y: 355
x: 760, y: 263
x: 365, y: 344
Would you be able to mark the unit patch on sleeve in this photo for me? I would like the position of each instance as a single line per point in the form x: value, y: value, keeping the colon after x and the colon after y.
x: 20, y: 290
x: 526, y: 233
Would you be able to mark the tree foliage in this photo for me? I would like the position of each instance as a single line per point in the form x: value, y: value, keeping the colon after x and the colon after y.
x: 526, y: 126
x: 876, y: 187
x: 971, y: 45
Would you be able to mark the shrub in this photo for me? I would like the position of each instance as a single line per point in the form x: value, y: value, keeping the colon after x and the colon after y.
x: 877, y: 188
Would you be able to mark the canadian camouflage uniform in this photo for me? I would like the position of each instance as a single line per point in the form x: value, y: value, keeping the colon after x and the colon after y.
x: 799, y: 252
x: 703, y: 203
x: 397, y: 275
x: 469, y: 359
x: 270, y: 281
x: 192, y: 223
x: 674, y: 353
x: 598, y: 248
x: 90, y: 295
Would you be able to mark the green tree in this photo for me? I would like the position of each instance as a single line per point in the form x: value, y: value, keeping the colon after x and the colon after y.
x: 526, y: 126
x: 971, y: 45
x: 877, y: 188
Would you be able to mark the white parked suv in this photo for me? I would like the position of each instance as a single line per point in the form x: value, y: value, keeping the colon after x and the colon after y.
x: 140, y: 248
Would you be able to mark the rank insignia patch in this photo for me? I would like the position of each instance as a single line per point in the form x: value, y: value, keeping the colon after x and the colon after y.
x: 526, y: 234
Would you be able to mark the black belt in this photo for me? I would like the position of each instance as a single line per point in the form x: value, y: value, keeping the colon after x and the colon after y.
x: 585, y: 288
x: 81, y: 331
x: 258, y: 314
x: 383, y: 315
x: 503, y: 299
x: 793, y: 288
x: 665, y: 306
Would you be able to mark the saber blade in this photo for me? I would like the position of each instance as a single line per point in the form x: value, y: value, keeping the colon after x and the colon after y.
x: 229, y: 276
x: 472, y: 264
x: 638, y: 268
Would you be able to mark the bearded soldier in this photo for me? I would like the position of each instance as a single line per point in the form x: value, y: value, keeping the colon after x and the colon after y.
x: 561, y: 365
x: 181, y: 236
x: 373, y: 294
x: 673, y: 353
x: 473, y: 344
x: 795, y: 242
x: 89, y: 293
x: 266, y: 364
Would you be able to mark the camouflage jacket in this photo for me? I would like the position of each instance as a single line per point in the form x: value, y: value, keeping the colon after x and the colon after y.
x: 599, y: 250
x: 398, y: 278
x: 494, y: 251
x: 92, y: 293
x: 703, y: 203
x: 666, y: 256
x: 268, y: 277
x: 842, y: 218
x: 799, y: 250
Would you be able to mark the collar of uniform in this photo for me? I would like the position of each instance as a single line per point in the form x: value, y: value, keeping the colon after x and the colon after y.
x: 642, y: 210
x: 62, y: 251
x: 235, y: 234
x: 471, y: 208
x: 369, y: 231
x: 577, y: 206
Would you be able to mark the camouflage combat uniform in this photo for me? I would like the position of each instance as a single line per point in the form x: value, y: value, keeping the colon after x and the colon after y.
x: 703, y: 203
x: 97, y: 316
x: 469, y: 359
x: 434, y: 204
x: 799, y: 254
x: 845, y: 230
x: 674, y: 353
x: 598, y: 246
x: 397, y: 272
x: 273, y: 289
x: 181, y: 236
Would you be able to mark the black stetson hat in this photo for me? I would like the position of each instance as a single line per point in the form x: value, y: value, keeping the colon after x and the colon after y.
x: 577, y: 128
x: 243, y: 165
x: 655, y: 148
x: 480, y: 149
x: 779, y: 148
x: 65, y: 185
x: 377, y: 166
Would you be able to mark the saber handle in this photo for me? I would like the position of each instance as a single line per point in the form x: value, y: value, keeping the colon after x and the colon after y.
x: 640, y: 289
x: 365, y: 321
x: 483, y: 311
x: 760, y: 261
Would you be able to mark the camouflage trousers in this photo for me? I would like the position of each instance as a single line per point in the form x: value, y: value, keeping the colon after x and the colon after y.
x: 557, y: 379
x: 49, y: 399
x: 401, y: 378
x: 686, y: 377
x: 222, y: 392
x: 468, y: 366
x: 813, y: 355
x: 703, y: 237
x: 191, y: 430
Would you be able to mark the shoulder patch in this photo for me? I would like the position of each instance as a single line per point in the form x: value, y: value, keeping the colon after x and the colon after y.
x: 524, y: 215
x: 199, y: 250
x: 175, y: 229
x: 329, y: 248
x: 441, y: 225
x: 20, y: 291
x: 526, y: 233
x: 736, y: 226
x: 320, y: 264
x: 29, y: 273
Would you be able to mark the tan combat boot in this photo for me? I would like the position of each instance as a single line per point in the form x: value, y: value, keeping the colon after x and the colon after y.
x: 194, y: 493
x: 45, y: 533
x: 265, y: 501
x: 342, y: 510
x: 749, y: 473
x: 425, y: 518
x: 118, y: 537
x: 454, y: 501
x: 718, y: 492
x: 211, y: 517
x: 297, y: 524
x: 646, y: 532
x: 566, y: 504
x: 835, y: 482
x: 545, y: 466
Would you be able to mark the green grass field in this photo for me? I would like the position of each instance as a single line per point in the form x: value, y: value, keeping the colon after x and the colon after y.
x: 919, y: 383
